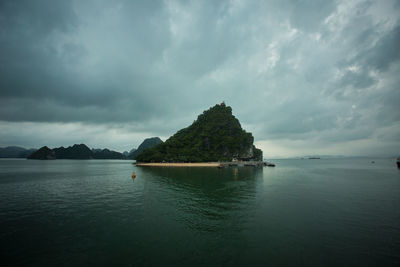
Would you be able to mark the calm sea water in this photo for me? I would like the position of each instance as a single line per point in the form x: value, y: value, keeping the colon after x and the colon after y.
x: 301, y: 213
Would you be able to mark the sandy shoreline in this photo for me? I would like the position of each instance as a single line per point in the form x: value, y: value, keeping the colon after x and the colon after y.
x: 200, y: 164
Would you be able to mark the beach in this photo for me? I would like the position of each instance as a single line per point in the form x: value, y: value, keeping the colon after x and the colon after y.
x: 203, y: 164
x: 181, y: 164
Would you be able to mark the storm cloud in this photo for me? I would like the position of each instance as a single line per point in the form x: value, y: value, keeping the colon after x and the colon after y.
x: 305, y: 77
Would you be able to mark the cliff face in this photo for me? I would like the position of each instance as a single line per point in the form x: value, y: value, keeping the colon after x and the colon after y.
x: 216, y: 135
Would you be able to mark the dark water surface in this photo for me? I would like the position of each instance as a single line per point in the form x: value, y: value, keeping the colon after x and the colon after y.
x: 301, y: 213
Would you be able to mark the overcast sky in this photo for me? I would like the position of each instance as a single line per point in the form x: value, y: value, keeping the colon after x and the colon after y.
x: 305, y: 77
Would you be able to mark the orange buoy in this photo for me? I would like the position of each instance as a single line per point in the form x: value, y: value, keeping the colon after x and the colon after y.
x: 133, y: 175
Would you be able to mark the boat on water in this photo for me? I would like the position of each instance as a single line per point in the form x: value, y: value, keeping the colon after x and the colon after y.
x: 398, y: 162
x: 269, y: 164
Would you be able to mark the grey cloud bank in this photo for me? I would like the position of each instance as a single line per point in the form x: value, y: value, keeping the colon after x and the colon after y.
x: 308, y: 77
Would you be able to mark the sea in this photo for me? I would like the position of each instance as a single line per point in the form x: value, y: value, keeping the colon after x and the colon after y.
x: 322, y: 212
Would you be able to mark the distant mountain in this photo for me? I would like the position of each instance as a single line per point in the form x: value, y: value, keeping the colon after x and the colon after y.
x: 15, y: 152
x: 147, y: 143
x: 216, y: 135
x: 75, y: 152
x: 43, y: 153
x: 126, y: 153
x: 107, y: 154
x: 27, y: 152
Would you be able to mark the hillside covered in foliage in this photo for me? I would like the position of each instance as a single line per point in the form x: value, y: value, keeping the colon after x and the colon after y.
x: 147, y: 143
x: 216, y: 135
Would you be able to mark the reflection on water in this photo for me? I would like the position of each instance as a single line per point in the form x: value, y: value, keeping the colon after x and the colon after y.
x: 303, y: 212
x: 208, y: 199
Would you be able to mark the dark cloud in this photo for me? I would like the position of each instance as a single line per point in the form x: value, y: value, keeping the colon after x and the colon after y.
x: 317, y: 73
x: 385, y: 52
x: 46, y: 61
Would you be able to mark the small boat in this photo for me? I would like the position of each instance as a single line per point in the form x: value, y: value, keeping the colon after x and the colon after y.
x: 133, y: 175
x: 398, y: 162
x: 269, y: 164
x: 220, y: 166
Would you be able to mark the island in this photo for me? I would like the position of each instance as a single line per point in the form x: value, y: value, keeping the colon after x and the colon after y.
x: 147, y: 143
x: 215, y: 136
x: 15, y: 152
x: 76, y: 151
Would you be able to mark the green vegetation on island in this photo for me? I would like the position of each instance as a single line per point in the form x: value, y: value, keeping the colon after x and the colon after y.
x: 147, y: 143
x: 216, y: 135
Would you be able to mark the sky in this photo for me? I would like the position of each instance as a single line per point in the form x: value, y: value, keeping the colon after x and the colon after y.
x: 305, y: 77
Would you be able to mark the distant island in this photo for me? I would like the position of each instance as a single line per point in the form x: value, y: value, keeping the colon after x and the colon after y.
x: 15, y: 152
x: 216, y: 135
x: 75, y: 152
x: 81, y: 151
